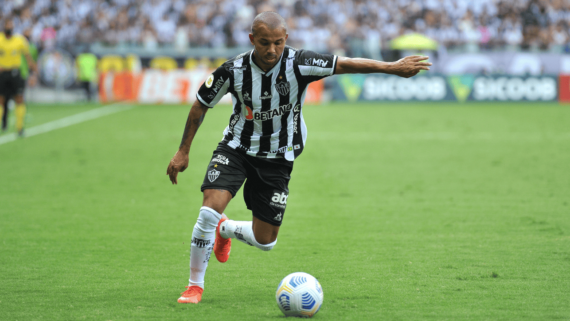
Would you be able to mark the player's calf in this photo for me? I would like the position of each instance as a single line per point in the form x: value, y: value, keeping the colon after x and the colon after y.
x: 203, y: 237
x: 242, y: 230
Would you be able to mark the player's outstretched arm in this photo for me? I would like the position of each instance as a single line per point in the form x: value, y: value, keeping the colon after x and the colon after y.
x: 179, y: 162
x: 406, y: 67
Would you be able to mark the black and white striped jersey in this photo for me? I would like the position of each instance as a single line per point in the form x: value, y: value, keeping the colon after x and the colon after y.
x: 267, y: 119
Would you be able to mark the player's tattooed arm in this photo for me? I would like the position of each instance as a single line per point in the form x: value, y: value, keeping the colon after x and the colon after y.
x: 195, y: 119
x: 179, y: 162
x: 405, y: 67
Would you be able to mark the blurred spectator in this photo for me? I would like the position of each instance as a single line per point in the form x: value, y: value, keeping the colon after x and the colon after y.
x: 149, y: 37
x: 361, y: 27
x: 166, y: 28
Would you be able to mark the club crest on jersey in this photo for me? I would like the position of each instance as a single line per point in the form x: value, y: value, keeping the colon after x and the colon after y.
x: 213, y: 175
x: 283, y: 88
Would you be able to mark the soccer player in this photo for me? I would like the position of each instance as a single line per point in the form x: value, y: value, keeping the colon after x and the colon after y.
x: 12, y: 47
x: 265, y: 135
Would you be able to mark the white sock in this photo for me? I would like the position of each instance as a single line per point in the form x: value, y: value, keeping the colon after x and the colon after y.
x: 242, y: 231
x: 203, y: 238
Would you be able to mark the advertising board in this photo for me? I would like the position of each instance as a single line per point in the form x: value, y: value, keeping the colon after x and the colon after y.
x: 564, y: 88
x: 172, y: 87
x: 440, y: 88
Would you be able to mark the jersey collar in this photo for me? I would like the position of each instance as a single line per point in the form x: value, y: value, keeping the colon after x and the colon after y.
x: 276, y: 67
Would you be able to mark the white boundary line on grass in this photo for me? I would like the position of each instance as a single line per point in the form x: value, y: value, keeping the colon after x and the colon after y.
x: 68, y: 121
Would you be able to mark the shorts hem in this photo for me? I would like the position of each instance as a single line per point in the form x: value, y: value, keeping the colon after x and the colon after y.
x: 264, y: 219
x: 203, y: 188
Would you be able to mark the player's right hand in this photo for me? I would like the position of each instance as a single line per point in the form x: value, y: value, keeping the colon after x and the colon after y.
x: 178, y: 163
x: 410, y: 66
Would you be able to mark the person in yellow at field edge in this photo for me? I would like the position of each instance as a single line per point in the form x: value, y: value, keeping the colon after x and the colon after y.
x: 24, y: 72
x: 12, y: 47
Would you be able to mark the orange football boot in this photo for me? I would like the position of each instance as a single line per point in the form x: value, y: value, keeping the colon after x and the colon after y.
x: 193, y: 294
x: 222, y: 246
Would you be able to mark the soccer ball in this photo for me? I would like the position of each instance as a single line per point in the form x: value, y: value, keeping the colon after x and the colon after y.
x: 299, y: 295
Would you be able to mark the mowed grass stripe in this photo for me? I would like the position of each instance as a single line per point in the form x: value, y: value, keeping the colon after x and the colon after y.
x: 68, y: 121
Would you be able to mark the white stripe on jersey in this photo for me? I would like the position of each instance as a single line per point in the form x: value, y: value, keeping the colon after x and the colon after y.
x: 238, y: 84
x: 290, y: 72
x: 255, y: 98
x: 276, y: 120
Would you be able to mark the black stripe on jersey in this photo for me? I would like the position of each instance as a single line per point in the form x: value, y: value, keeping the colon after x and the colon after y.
x: 297, y: 134
x: 234, y: 118
x: 247, y: 87
x: 283, y: 100
x: 266, y: 126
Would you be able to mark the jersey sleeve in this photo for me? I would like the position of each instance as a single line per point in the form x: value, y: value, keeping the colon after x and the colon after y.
x: 215, y: 87
x: 315, y: 66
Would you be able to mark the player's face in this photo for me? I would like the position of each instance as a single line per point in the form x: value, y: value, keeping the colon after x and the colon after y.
x: 269, y: 44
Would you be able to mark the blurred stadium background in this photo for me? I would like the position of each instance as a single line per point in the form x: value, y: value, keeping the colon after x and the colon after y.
x: 482, y: 50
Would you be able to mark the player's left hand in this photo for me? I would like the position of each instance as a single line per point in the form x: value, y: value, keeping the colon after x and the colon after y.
x: 178, y: 163
x: 410, y: 66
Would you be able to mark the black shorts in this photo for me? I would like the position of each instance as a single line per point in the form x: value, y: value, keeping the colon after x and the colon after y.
x: 266, y: 189
x: 11, y: 83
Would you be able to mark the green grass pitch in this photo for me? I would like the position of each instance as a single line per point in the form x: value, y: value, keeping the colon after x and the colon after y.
x: 402, y: 211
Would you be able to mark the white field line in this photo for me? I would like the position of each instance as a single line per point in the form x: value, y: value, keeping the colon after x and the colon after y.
x: 68, y: 121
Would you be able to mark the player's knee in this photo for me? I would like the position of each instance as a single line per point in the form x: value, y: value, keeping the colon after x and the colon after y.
x: 208, y: 219
x: 216, y: 199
